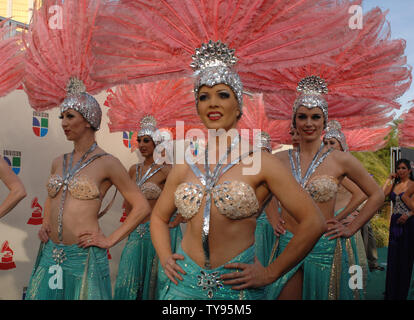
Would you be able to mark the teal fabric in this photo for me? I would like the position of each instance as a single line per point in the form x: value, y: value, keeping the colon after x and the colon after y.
x: 138, y: 267
x: 265, y: 239
x: 85, y: 274
x: 316, y: 270
x: 202, y: 284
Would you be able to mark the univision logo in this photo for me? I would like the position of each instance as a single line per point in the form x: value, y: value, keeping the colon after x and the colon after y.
x: 13, y: 158
x: 40, y: 123
x: 126, y: 138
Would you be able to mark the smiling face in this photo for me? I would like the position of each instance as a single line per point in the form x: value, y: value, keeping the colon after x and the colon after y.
x: 402, y: 171
x: 333, y: 143
x: 74, y: 124
x: 309, y: 123
x: 146, y: 145
x: 218, y: 107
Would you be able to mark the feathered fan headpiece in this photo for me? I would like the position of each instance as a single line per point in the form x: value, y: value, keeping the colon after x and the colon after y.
x: 254, y: 117
x: 145, y: 107
x: 11, y: 60
x: 59, y: 59
x: 366, y: 79
x: 256, y: 34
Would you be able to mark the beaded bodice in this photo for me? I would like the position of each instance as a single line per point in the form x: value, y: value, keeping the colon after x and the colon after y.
x: 80, y: 187
x: 322, y: 188
x: 233, y: 199
x: 151, y: 191
x: 399, y: 206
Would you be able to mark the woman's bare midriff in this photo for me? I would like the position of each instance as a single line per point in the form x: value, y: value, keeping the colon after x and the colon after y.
x: 227, y: 238
x: 78, y: 216
x: 291, y: 224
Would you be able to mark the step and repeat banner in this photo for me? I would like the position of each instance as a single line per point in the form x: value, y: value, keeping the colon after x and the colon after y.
x: 29, y: 141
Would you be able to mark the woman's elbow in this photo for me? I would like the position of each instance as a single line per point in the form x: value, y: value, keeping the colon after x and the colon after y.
x: 19, y: 193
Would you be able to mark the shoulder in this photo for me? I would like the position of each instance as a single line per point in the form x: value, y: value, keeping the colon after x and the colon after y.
x: 342, y: 157
x: 282, y: 155
x: 273, y: 162
x: 132, y: 169
x: 166, y: 169
x: 178, y: 172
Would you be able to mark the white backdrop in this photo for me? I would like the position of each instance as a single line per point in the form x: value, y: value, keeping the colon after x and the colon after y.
x: 37, y: 153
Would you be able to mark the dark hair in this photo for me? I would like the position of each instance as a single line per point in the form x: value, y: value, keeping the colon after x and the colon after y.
x: 407, y: 163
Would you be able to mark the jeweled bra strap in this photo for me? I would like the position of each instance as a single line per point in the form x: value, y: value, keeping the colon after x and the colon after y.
x: 141, y: 179
x: 68, y: 174
x: 316, y: 162
x: 209, y: 180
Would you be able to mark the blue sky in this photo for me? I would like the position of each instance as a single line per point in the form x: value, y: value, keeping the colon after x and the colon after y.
x: 401, y: 18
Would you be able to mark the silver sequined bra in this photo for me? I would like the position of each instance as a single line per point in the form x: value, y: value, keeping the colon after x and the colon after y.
x: 80, y: 187
x: 151, y: 191
x: 322, y: 188
x: 234, y: 199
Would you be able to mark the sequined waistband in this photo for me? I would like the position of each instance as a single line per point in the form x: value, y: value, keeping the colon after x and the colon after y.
x: 71, y: 256
x: 201, y: 283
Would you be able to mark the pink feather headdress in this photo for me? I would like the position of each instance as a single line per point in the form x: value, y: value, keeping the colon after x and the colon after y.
x: 367, y: 139
x: 11, y: 60
x: 406, y: 128
x: 163, y: 102
x: 58, y: 49
x: 366, y: 78
x: 254, y: 117
x: 160, y: 43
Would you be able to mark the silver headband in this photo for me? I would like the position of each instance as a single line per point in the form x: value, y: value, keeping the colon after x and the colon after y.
x: 334, y: 131
x: 311, y: 91
x: 148, y: 127
x: 213, y: 63
x: 79, y: 100
x: 263, y: 141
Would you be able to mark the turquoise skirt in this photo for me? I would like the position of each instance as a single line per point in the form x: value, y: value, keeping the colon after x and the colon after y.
x: 325, y: 271
x: 265, y: 240
x: 202, y: 284
x: 138, y: 267
x: 70, y: 273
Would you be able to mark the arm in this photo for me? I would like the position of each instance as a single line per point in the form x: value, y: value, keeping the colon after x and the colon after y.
x: 299, y: 204
x: 131, y: 172
x: 354, y: 170
x: 274, y: 218
x: 357, y: 198
x: 15, y: 186
x: 140, y: 208
x: 45, y: 229
x: 408, y: 200
x: 311, y: 226
x: 386, y: 188
x: 159, y: 226
x: 407, y: 196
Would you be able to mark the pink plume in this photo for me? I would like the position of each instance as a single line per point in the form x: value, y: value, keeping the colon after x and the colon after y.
x: 11, y: 60
x: 368, y: 75
x: 366, y: 139
x: 167, y: 101
x: 264, y: 33
x: 254, y: 117
x: 406, y: 128
x: 58, y: 50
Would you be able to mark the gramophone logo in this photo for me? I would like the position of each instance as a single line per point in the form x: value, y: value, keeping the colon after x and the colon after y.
x: 36, y: 218
x: 126, y: 138
x: 40, y: 123
x: 13, y: 158
x: 6, y: 257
